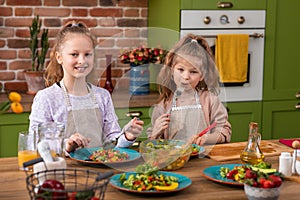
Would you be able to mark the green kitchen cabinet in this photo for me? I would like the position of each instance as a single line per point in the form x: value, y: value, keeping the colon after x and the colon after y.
x: 240, y: 115
x: 10, y: 126
x: 282, y: 119
x: 281, y: 75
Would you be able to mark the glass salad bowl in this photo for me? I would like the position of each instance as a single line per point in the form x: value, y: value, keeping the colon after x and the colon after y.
x: 166, y: 154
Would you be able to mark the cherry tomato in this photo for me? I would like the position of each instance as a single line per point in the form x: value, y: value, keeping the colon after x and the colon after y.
x: 54, y: 185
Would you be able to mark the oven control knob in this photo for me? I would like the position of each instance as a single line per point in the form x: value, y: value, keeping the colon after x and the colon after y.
x: 206, y: 20
x: 224, y: 19
x: 241, y: 20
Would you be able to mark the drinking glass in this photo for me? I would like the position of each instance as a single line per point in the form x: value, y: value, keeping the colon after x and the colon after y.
x: 26, y: 149
x: 54, y: 134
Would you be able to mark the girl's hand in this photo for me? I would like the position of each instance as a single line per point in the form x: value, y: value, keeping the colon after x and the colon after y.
x: 133, y: 129
x: 76, y: 140
x: 199, y: 140
x: 160, y: 125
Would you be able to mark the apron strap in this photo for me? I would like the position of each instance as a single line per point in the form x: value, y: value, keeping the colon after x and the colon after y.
x: 68, y: 102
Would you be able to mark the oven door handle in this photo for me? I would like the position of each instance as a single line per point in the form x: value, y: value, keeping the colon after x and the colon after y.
x: 224, y: 5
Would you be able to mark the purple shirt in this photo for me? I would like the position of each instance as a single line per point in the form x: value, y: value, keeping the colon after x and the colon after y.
x: 49, y: 105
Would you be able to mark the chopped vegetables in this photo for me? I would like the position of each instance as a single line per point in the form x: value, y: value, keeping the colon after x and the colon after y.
x: 148, y: 178
x: 110, y: 155
x: 237, y: 173
x: 240, y: 172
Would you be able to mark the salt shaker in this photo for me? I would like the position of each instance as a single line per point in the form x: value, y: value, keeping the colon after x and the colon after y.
x: 285, y: 163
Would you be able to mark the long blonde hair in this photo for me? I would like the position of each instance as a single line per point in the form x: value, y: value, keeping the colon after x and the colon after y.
x: 189, y: 46
x: 54, y: 72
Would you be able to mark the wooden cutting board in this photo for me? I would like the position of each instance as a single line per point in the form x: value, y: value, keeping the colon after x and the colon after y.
x: 232, y: 151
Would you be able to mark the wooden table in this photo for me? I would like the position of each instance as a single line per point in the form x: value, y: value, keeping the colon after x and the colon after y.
x: 13, y: 186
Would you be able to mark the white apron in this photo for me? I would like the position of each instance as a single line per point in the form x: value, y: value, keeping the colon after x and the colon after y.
x: 85, y: 120
x: 186, y: 121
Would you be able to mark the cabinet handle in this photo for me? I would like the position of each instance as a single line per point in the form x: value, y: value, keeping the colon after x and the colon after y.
x: 297, y: 106
x: 224, y: 5
x: 133, y: 114
x: 298, y: 95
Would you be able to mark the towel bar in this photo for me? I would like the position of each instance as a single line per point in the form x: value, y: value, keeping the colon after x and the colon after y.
x: 254, y: 35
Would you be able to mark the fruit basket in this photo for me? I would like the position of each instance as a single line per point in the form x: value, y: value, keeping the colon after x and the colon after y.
x: 67, y: 184
x: 166, y: 154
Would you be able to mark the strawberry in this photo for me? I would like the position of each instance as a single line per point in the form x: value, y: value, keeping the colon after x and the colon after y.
x: 261, y: 181
x: 250, y: 174
x: 268, y: 184
x: 275, y: 179
x: 254, y: 184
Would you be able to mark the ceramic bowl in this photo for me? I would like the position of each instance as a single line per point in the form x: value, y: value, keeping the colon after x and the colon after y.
x: 254, y: 193
x: 166, y: 154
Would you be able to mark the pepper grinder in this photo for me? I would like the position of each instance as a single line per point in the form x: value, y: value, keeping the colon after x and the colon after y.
x: 295, y: 145
x: 108, y: 83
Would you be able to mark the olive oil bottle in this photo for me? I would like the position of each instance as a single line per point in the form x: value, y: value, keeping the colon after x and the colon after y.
x: 252, y: 154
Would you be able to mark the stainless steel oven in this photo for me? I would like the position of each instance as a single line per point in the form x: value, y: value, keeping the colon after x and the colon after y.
x: 210, y: 23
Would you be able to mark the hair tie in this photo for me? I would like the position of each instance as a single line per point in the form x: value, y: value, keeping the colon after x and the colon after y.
x: 194, y: 40
x: 74, y: 24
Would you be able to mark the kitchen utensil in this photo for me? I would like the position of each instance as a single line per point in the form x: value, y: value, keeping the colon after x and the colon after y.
x: 88, y: 182
x: 111, y: 143
x: 44, y: 151
x: 203, y: 132
x: 207, y: 129
x: 166, y: 154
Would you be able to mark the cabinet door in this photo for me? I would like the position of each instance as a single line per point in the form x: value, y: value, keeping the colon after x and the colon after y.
x: 124, y: 118
x: 10, y: 126
x: 281, y: 119
x: 281, y: 74
x: 213, y: 4
x: 240, y: 115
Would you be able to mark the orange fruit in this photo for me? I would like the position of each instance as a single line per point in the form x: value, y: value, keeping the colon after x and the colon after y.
x: 14, y: 97
x: 16, y: 107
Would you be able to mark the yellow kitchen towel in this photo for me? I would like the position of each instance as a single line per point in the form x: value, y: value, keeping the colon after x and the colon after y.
x: 231, y: 56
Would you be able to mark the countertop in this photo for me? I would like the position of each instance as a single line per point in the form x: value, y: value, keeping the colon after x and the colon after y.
x: 121, y: 99
x: 13, y: 185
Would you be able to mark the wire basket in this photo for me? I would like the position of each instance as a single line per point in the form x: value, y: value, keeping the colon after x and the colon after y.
x: 77, y: 184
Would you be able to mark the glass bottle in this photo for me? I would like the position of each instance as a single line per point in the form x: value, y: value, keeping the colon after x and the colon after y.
x: 252, y: 153
x: 108, y: 83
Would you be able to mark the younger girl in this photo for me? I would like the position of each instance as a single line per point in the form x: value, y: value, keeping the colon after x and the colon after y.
x: 86, y: 110
x: 188, y: 102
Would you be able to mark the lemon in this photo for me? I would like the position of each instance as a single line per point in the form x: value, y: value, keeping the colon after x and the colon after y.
x: 173, y: 186
x: 16, y: 107
x: 14, y: 97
